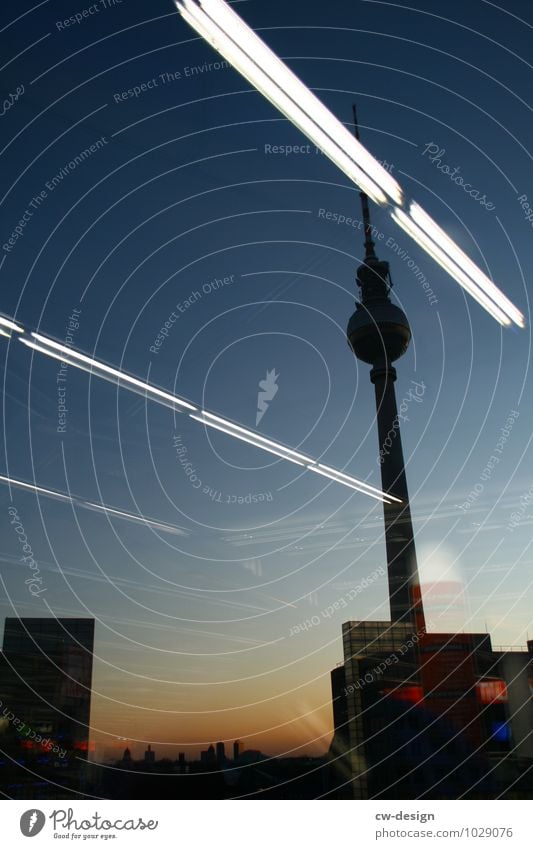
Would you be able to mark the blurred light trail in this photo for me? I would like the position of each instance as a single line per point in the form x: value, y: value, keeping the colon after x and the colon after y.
x: 263, y: 442
x: 90, y: 505
x: 68, y: 355
x: 221, y: 27
x: 113, y: 372
x: 436, y: 253
x: 265, y: 71
x: 10, y: 325
x: 243, y: 438
x: 464, y: 262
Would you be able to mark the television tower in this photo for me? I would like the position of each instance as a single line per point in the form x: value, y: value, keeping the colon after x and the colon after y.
x: 378, y: 334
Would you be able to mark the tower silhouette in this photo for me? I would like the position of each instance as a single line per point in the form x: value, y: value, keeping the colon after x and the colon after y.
x: 381, y: 674
x: 379, y: 334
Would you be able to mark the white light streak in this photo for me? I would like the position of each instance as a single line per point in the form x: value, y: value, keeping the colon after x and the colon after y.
x: 7, y: 322
x: 240, y: 436
x: 63, y: 353
x: 465, y: 263
x: 145, y: 520
x: 90, y: 505
x: 353, y: 480
x: 127, y: 378
x: 288, y: 454
x: 64, y: 358
x: 384, y: 497
x: 287, y: 81
x: 321, y: 131
x: 421, y: 238
x: 250, y: 433
x: 35, y: 488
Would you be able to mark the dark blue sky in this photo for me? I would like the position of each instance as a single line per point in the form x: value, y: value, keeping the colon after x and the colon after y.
x: 181, y: 189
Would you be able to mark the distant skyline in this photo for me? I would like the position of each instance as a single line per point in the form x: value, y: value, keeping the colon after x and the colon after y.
x: 142, y: 190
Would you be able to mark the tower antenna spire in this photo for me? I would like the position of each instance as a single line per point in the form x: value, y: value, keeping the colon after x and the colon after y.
x: 369, y: 243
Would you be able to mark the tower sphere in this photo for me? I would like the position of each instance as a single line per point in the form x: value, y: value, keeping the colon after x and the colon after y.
x: 378, y: 331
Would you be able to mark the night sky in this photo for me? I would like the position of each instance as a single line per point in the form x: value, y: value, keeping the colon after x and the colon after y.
x: 188, y: 203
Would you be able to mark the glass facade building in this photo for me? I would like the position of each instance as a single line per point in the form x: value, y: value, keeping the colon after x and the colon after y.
x: 45, y: 684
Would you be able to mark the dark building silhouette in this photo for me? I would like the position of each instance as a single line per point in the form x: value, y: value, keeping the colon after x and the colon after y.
x: 149, y: 755
x: 462, y: 727
x: 221, y: 753
x: 513, y: 690
x: 209, y: 756
x: 45, y: 692
x: 46, y: 679
x: 236, y: 746
x: 340, y: 768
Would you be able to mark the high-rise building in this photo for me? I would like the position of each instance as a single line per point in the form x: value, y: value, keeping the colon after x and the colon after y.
x: 462, y: 726
x: 340, y: 767
x: 415, y: 725
x: 377, y: 654
x: 45, y: 683
x: 221, y: 753
x: 506, y: 694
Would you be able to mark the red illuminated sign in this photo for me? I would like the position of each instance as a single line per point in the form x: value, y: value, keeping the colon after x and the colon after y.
x: 491, y: 691
x: 410, y: 693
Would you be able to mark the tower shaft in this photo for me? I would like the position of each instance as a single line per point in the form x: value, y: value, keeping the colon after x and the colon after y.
x: 402, y: 569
